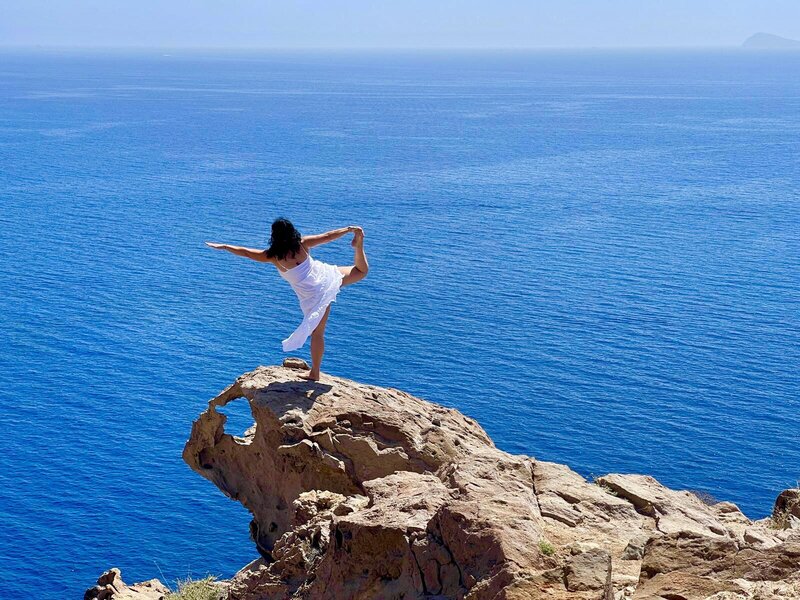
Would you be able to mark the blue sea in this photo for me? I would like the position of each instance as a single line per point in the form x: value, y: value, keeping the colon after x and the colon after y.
x: 594, y: 254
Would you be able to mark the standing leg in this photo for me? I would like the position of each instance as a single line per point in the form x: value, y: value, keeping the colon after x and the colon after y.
x: 318, y: 347
x: 359, y: 270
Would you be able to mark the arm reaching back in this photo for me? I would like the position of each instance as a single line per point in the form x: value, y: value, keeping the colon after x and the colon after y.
x: 251, y: 253
x: 323, y: 238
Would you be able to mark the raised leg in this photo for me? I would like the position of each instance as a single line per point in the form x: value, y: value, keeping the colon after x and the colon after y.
x: 359, y: 270
x: 317, y: 347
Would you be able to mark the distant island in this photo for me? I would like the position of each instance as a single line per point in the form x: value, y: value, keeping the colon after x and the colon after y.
x: 768, y: 41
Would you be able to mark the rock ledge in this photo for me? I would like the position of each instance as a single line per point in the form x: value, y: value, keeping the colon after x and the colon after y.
x: 362, y: 492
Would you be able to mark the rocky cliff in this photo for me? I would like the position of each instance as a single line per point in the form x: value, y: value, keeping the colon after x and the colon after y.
x: 362, y: 492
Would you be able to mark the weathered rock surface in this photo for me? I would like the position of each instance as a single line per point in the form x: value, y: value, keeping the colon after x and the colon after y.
x: 360, y: 492
x: 111, y: 587
x: 786, y: 513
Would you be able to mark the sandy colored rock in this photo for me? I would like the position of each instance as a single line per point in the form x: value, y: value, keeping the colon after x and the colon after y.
x: 682, y: 586
x: 688, y: 552
x: 587, y: 570
x: 111, y: 587
x: 360, y: 492
x: 672, y: 510
x: 786, y: 513
x: 293, y: 362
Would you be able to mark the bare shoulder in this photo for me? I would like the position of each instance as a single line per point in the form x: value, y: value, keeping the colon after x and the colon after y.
x: 309, y: 241
x: 264, y: 257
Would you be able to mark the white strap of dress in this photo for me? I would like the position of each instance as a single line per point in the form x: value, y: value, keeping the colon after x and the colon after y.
x: 284, y: 269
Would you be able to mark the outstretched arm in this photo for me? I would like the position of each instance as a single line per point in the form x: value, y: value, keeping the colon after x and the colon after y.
x: 259, y: 255
x: 323, y: 238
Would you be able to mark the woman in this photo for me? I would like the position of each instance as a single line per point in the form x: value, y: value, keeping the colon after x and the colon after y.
x: 316, y: 283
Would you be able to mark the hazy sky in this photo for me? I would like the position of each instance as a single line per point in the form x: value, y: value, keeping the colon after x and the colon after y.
x: 392, y: 23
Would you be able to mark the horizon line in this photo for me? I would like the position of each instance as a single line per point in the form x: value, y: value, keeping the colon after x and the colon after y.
x: 100, y: 47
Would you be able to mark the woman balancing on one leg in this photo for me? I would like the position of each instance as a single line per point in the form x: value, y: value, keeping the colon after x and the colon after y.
x: 316, y: 283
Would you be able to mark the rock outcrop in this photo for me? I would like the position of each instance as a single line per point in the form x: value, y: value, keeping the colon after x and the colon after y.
x: 362, y: 492
x: 111, y: 587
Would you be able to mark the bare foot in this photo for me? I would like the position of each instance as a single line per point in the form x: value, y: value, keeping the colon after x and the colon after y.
x: 311, y: 376
x: 358, y: 237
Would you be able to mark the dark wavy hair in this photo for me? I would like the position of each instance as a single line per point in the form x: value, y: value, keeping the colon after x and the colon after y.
x: 285, y: 239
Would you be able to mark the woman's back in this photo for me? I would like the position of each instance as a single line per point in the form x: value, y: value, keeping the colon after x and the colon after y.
x: 315, y: 283
x: 295, y: 260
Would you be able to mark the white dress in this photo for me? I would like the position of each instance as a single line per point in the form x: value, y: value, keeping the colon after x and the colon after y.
x: 316, y: 284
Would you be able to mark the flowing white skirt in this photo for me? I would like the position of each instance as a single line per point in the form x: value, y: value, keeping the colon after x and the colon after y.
x: 316, y: 284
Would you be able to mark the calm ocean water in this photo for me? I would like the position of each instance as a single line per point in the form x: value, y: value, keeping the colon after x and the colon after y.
x: 595, y: 255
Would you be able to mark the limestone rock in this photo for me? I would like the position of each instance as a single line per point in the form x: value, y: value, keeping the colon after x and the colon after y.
x: 111, y: 587
x: 360, y: 492
x: 672, y: 510
x: 292, y: 362
x: 786, y: 513
x: 689, y: 552
x: 587, y: 570
x: 682, y: 586
x: 635, y: 548
x: 687, y: 563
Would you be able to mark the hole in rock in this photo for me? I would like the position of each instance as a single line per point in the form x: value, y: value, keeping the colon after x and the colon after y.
x: 338, y: 537
x: 240, y: 420
x: 205, y: 460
